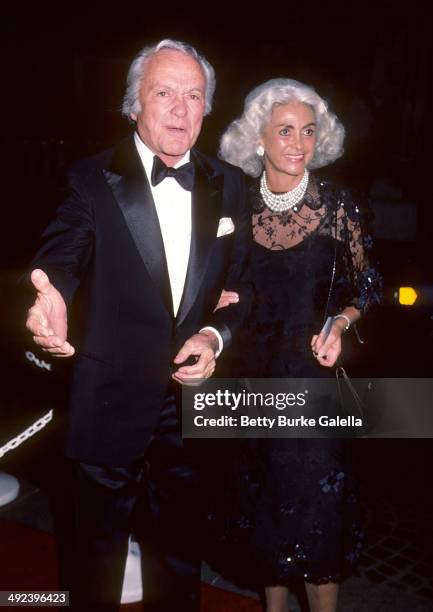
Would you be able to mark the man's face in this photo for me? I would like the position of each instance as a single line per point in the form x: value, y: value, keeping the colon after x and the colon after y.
x: 172, y: 98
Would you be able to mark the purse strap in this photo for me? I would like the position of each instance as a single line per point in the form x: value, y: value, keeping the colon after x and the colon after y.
x: 341, y: 375
x: 334, y: 267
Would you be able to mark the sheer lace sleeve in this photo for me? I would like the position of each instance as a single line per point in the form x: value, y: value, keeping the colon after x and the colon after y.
x: 354, y: 220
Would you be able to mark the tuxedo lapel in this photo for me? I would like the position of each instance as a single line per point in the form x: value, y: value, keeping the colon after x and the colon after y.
x: 205, y: 214
x: 128, y: 182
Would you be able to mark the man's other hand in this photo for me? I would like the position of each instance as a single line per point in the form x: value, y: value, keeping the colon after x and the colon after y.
x: 47, y: 319
x: 203, y: 346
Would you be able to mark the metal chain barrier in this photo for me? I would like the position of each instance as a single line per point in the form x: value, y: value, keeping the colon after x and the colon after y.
x: 26, y: 434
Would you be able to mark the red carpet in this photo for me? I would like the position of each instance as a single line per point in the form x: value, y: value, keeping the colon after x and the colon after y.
x: 28, y: 562
x: 217, y: 600
x: 214, y: 600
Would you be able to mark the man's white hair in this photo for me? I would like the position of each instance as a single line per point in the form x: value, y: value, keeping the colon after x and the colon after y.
x: 240, y: 141
x: 137, y: 70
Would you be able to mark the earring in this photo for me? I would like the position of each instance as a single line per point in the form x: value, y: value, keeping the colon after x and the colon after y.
x: 260, y: 151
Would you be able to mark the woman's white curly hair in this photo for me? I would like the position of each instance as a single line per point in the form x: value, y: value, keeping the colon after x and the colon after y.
x: 239, y: 143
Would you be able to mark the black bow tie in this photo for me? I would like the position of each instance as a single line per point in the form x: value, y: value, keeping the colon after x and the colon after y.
x: 183, y: 175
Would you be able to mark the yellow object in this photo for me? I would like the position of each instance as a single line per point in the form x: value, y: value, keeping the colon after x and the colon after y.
x: 407, y: 296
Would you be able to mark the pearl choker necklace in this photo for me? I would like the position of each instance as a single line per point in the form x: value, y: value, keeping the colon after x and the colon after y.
x: 279, y: 202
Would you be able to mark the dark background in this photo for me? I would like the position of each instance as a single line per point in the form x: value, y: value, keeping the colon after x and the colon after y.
x: 66, y: 63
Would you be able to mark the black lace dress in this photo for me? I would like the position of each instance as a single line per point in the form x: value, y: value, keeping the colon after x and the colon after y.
x: 287, y: 508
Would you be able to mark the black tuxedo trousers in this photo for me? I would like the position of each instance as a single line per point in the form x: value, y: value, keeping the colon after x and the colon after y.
x: 159, y: 499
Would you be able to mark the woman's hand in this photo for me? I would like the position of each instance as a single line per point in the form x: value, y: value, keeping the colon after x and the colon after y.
x: 328, y: 350
x: 227, y: 298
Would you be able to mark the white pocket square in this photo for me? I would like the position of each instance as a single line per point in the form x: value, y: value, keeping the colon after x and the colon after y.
x: 225, y: 226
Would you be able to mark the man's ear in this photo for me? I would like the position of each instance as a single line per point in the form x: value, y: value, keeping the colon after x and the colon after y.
x: 133, y: 116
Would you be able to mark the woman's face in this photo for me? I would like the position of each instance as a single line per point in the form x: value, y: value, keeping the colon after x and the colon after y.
x: 289, y: 139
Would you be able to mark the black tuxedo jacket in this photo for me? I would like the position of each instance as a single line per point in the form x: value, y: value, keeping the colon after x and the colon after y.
x: 104, y: 252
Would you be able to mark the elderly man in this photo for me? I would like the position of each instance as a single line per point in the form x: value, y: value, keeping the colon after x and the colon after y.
x: 149, y: 234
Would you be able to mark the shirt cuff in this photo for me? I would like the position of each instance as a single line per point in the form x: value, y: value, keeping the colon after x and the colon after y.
x: 219, y: 338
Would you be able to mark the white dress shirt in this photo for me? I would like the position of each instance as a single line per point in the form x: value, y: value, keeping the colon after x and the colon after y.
x: 173, y: 207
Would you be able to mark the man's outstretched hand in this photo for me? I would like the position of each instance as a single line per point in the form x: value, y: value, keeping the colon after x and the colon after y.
x: 47, y: 319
